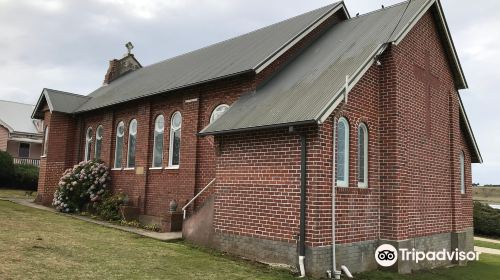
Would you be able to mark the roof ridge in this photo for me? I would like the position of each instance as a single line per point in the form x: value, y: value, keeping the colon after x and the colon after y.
x: 17, y: 102
x: 334, y: 4
x: 67, y: 93
x: 379, y: 10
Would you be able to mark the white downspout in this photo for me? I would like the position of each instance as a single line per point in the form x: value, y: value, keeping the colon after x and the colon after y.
x: 302, y: 267
x: 336, y: 273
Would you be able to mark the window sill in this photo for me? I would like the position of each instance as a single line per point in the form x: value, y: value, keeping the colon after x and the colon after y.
x: 175, y: 167
x: 155, y: 168
x: 116, y: 169
x: 342, y: 184
x: 44, y: 156
x: 129, y: 168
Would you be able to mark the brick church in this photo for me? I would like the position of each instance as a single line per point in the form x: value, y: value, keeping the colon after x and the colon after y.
x: 255, y: 127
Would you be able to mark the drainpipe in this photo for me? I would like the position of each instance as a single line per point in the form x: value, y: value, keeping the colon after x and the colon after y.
x: 303, y: 183
x: 336, y: 273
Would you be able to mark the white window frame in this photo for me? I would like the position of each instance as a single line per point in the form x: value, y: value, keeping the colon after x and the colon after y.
x: 462, y: 172
x: 345, y: 182
x: 216, y: 114
x: 118, y: 165
x: 88, y: 141
x: 171, y: 141
x: 98, y: 138
x: 155, y: 132
x: 364, y: 184
x: 128, y: 142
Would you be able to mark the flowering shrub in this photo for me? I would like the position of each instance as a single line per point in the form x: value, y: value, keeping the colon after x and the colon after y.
x: 109, y: 208
x: 84, y: 183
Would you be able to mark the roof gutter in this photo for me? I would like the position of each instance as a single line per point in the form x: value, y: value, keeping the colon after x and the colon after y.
x: 245, y: 129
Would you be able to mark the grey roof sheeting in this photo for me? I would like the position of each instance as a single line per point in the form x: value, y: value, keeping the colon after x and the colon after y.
x: 234, y: 56
x: 311, y: 87
x: 59, y: 101
x: 16, y: 117
x: 305, y: 90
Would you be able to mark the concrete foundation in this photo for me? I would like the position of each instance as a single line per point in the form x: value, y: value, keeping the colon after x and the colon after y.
x: 358, y: 257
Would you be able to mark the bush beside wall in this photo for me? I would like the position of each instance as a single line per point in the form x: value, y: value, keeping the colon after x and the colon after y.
x: 486, y: 220
x: 6, y: 167
x: 17, y: 176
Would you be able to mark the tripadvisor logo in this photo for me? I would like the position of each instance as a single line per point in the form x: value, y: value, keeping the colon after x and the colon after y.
x: 386, y: 255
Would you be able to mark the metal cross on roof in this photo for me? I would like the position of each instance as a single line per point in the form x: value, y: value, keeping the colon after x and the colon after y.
x: 129, y: 47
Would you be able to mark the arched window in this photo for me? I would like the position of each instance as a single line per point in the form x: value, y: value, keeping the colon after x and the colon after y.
x: 362, y: 156
x: 88, y: 143
x: 342, y: 153
x: 45, y: 140
x: 158, y: 141
x: 132, y: 143
x: 120, y: 131
x: 218, y: 112
x: 98, y: 142
x: 462, y: 173
x: 175, y: 140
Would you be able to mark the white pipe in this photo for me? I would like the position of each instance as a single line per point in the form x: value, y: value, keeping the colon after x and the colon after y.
x: 336, y: 273
x: 346, y: 271
x: 347, y: 88
x: 302, y: 267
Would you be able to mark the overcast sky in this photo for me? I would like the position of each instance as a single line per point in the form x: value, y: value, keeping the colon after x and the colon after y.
x: 66, y: 45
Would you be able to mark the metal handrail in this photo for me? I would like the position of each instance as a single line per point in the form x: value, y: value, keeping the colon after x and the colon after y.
x: 195, y: 197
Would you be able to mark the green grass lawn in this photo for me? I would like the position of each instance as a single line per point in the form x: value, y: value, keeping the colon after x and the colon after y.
x: 487, y: 268
x: 36, y: 244
x: 487, y: 244
x: 10, y: 193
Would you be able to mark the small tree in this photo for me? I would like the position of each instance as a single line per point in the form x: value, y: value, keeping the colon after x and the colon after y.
x: 84, y: 183
x: 6, y: 169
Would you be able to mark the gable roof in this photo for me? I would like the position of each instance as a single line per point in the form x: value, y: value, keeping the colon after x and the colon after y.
x: 238, y: 55
x: 58, y: 101
x: 316, y: 82
x: 306, y: 91
x: 16, y: 117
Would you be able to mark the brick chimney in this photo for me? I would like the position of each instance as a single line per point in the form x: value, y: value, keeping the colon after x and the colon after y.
x: 121, y: 67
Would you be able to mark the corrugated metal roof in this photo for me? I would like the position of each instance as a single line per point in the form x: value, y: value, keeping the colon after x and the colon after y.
x: 234, y: 56
x: 16, y: 117
x: 58, y: 101
x: 306, y: 88
x: 64, y: 102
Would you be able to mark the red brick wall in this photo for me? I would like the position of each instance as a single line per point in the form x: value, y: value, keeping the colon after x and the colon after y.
x: 154, y: 189
x: 60, y: 153
x: 413, y: 176
x: 427, y: 181
x: 414, y: 180
x: 258, y: 187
